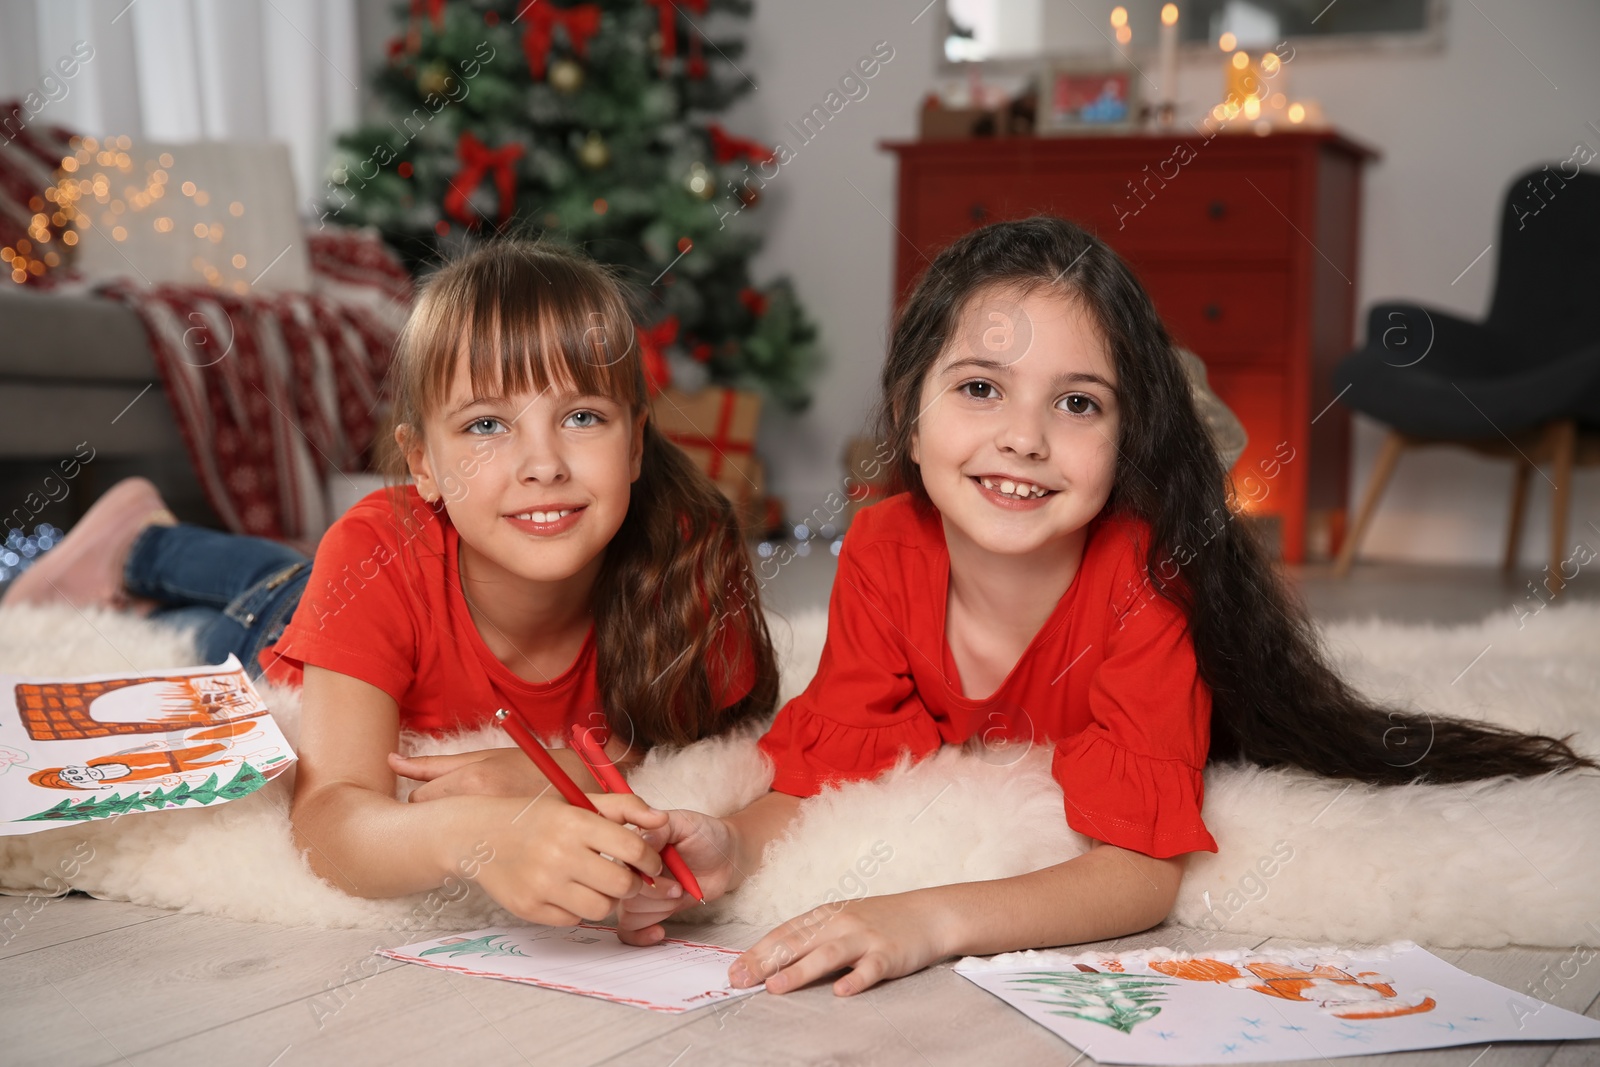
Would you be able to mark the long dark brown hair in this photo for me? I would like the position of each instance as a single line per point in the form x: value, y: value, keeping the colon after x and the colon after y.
x: 1275, y: 698
x: 675, y: 604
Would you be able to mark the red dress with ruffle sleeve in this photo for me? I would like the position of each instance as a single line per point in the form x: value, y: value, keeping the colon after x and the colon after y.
x: 1110, y: 679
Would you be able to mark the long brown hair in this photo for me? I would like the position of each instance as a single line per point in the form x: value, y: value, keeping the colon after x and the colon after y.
x: 675, y: 604
x: 1275, y: 698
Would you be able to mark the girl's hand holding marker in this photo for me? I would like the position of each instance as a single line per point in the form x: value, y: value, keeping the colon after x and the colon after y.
x: 611, y: 780
x: 557, y: 864
x: 710, y: 848
x: 558, y: 777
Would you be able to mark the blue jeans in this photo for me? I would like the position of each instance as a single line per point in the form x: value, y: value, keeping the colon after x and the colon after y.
x: 237, y: 593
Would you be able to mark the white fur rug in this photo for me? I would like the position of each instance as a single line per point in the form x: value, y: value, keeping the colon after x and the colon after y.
x: 1487, y: 864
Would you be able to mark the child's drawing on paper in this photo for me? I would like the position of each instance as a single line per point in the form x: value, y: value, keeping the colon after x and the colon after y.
x: 117, y: 744
x: 1363, y: 995
x: 58, y: 711
x: 1122, y: 1001
x: 670, y: 976
x: 155, y: 760
x: 1163, y: 1007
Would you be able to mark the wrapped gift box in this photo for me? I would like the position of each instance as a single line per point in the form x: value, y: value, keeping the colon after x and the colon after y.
x: 715, y: 415
x: 717, y: 428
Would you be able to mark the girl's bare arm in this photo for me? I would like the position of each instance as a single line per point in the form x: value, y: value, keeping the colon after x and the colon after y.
x: 344, y: 816
x: 1106, y: 892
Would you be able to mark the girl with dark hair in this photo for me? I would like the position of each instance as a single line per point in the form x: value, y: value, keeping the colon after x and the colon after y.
x: 1060, y: 565
x: 550, y: 552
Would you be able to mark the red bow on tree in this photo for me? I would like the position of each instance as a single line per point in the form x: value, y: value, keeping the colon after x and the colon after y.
x: 652, y: 340
x: 727, y: 148
x: 669, y: 21
x: 581, y: 23
x: 754, y: 301
x: 477, y: 160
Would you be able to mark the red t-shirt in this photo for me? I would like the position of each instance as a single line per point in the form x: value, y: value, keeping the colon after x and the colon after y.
x: 384, y: 605
x: 1110, y: 678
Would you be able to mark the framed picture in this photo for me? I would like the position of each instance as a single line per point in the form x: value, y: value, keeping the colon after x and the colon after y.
x: 1088, y: 99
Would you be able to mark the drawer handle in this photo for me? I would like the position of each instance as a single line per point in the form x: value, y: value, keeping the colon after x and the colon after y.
x: 1212, y: 313
x: 1216, y: 209
x: 978, y: 212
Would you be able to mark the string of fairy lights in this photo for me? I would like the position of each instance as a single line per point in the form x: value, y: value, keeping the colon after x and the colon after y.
x: 99, y: 186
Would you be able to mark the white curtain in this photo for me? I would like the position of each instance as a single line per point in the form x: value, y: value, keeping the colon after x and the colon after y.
x: 191, y: 70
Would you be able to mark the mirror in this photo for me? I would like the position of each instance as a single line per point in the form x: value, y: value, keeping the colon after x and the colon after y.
x: 1000, y: 30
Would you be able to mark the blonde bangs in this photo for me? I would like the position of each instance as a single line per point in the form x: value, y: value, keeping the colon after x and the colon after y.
x: 532, y: 320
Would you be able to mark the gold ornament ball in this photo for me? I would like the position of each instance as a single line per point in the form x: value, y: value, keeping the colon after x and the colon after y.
x: 435, y: 79
x: 566, y: 76
x: 700, y: 181
x: 594, y: 154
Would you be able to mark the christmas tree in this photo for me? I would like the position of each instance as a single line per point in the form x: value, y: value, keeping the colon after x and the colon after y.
x: 244, y: 782
x: 1120, y: 1001
x: 589, y: 123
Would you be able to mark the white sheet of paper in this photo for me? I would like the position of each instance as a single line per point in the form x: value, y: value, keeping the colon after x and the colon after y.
x: 100, y: 746
x: 671, y: 976
x: 1245, y: 1006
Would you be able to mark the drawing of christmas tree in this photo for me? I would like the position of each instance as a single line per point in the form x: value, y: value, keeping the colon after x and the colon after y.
x: 1120, y: 1001
x: 243, y: 783
x: 478, y: 946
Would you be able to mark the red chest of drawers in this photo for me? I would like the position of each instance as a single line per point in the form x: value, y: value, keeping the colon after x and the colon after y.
x: 1247, y: 244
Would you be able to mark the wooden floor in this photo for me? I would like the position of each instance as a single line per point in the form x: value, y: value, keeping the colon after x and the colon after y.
x: 98, y: 982
x: 92, y: 982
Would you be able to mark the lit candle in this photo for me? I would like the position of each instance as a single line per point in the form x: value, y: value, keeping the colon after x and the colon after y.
x: 1122, y: 31
x: 1168, y: 64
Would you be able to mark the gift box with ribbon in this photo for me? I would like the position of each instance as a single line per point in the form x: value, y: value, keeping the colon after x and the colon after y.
x: 717, y: 428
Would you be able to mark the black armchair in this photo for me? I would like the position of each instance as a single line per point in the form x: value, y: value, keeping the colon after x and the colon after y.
x: 1524, y: 384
